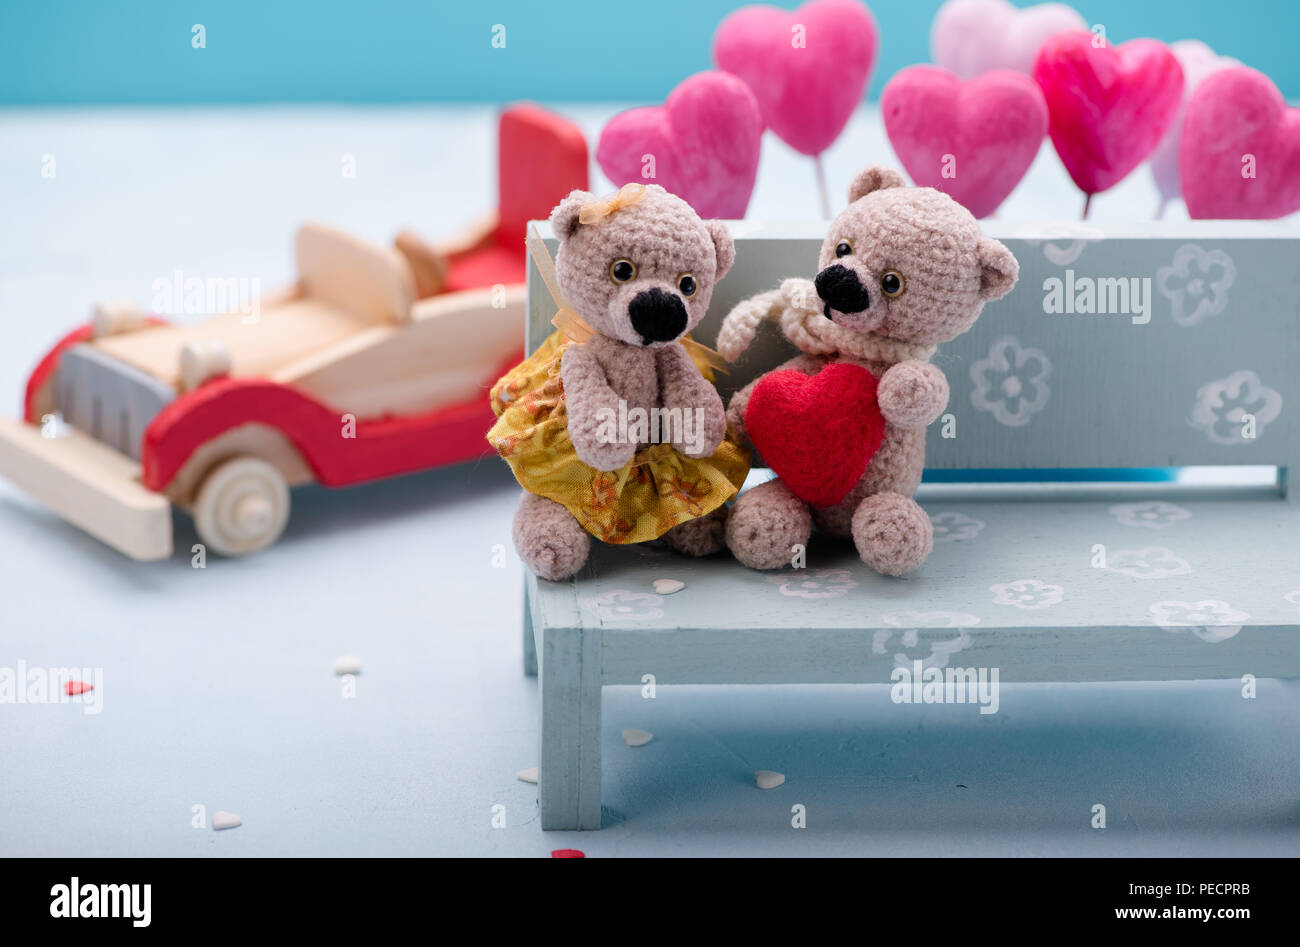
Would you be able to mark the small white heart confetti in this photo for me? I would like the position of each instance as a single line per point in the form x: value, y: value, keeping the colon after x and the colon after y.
x: 348, y: 664
x: 634, y: 737
x: 527, y: 775
x: 766, y: 779
x: 221, y: 819
x: 668, y: 586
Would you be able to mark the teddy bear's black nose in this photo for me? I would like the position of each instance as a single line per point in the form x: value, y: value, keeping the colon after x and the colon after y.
x: 840, y: 287
x: 657, y: 316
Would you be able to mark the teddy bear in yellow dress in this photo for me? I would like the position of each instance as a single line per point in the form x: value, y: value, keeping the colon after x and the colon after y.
x: 616, y: 430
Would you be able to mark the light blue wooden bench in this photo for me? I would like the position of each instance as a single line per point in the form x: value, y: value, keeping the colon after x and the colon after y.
x: 1044, y: 581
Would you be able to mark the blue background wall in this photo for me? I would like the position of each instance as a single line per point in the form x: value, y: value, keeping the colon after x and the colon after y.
x: 138, y: 51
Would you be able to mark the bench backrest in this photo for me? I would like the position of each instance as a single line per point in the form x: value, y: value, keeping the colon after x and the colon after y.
x: 1200, y: 365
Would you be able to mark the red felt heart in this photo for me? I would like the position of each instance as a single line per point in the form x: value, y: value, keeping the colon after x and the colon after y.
x: 817, y: 432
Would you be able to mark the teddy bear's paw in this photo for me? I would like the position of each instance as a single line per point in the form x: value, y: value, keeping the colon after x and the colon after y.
x: 711, y: 429
x: 736, y: 413
x: 548, y: 539
x: 766, y: 524
x: 892, y: 533
x: 702, y: 536
x: 912, y: 394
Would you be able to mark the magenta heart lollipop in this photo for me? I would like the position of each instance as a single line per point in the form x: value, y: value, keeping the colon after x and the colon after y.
x: 1240, y: 151
x: 1109, y: 106
x: 972, y: 140
x: 702, y: 144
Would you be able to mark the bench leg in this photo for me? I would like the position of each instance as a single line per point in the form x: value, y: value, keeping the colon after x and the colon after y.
x: 530, y: 646
x: 569, y: 731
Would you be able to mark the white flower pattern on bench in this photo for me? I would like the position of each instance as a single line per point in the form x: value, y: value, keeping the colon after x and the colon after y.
x: 926, y: 636
x: 952, y: 527
x: 625, y: 605
x: 1196, y: 283
x: 1011, y: 382
x: 1153, y: 562
x: 1028, y: 593
x: 814, y: 583
x: 1154, y: 514
x: 1063, y: 242
x: 1210, y: 620
x: 1222, y: 405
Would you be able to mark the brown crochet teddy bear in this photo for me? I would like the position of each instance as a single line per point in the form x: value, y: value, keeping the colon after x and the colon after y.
x: 616, y: 430
x: 843, y: 425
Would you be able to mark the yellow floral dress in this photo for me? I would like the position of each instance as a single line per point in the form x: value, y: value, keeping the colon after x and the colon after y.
x: 657, y: 490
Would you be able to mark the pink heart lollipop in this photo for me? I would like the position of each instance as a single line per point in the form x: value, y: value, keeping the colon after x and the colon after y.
x: 807, y: 68
x: 973, y: 140
x: 1240, y: 152
x: 1198, y: 62
x: 969, y: 37
x: 1109, y: 106
x: 702, y: 144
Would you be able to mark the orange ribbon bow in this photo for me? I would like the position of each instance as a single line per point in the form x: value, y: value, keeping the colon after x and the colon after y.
x: 627, y: 195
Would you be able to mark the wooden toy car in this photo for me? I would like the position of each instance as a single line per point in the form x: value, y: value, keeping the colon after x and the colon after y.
x: 377, y: 362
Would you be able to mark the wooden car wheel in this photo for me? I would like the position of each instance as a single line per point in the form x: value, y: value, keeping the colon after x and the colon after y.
x: 242, y: 506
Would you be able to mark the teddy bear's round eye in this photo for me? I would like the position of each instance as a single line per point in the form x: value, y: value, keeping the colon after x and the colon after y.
x: 622, y: 271
x: 892, y: 283
x: 843, y: 248
x: 687, y: 284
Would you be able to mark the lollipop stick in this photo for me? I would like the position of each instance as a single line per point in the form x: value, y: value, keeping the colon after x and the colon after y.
x: 1087, y: 203
x: 1160, y: 208
x: 821, y: 186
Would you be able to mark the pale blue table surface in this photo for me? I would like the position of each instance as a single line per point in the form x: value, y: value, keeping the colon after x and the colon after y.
x: 218, y: 688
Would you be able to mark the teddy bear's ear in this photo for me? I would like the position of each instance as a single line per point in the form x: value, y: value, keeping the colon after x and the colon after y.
x: 723, y: 246
x: 565, y: 216
x: 875, y: 178
x: 999, y: 269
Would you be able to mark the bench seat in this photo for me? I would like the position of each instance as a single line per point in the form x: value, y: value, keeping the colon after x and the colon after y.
x: 1185, y: 593
x: 1011, y: 584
